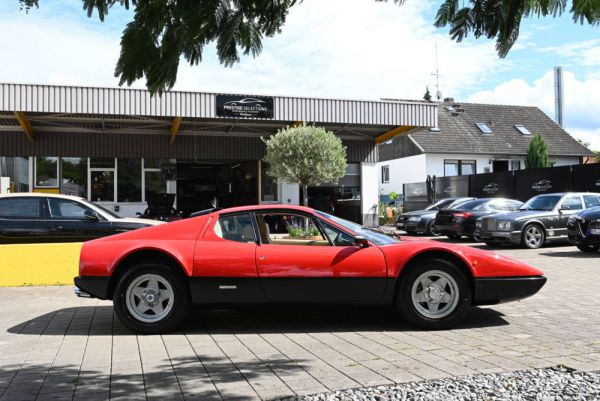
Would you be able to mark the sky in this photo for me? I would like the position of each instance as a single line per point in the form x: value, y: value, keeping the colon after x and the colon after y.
x: 356, y: 49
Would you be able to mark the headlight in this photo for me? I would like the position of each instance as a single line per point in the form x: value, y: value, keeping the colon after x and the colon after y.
x: 504, y: 225
x: 415, y: 218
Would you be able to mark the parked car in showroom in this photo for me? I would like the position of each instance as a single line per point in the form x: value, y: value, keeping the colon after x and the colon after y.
x: 541, y: 219
x: 37, y: 217
x: 281, y: 254
x: 583, y: 228
x: 460, y: 221
x: 423, y: 221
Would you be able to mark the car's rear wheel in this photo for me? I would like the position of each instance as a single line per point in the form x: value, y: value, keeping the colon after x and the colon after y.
x: 588, y: 248
x: 434, y: 295
x: 533, y: 236
x: 432, y: 229
x: 150, y: 298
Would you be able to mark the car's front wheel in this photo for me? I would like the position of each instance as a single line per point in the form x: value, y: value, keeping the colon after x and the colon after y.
x: 588, y: 248
x: 432, y: 229
x: 533, y: 236
x: 434, y: 295
x: 151, y: 298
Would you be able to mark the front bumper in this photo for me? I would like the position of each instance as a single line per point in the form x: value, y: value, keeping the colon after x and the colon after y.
x: 92, y: 287
x: 495, y: 290
x: 500, y: 237
x: 576, y: 237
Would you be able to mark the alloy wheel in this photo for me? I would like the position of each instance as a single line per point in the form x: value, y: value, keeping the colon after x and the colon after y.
x: 534, y: 237
x: 149, y: 298
x: 435, y: 294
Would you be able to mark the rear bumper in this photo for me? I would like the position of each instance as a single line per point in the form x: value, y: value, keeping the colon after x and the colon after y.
x: 95, y: 287
x: 495, y: 290
x: 456, y: 229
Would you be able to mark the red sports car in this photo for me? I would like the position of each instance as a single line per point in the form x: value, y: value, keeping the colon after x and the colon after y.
x: 291, y: 254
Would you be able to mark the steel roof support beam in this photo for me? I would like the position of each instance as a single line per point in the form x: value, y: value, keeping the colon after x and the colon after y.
x: 392, y: 133
x: 25, y: 125
x: 175, y: 128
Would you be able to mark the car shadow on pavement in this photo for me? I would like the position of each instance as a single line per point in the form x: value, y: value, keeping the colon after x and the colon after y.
x: 572, y: 254
x: 247, y: 320
x: 191, y: 377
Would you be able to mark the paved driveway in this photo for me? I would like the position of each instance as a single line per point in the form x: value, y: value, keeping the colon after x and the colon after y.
x: 54, y: 346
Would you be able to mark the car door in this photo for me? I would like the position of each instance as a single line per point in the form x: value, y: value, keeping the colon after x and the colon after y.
x: 569, y: 205
x: 22, y: 220
x: 298, y: 262
x: 67, y: 222
x: 225, y: 261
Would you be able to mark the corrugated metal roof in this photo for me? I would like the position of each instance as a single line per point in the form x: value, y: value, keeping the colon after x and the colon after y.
x: 136, y: 102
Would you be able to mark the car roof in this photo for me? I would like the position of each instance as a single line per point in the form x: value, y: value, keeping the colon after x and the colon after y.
x: 40, y: 194
x: 250, y: 208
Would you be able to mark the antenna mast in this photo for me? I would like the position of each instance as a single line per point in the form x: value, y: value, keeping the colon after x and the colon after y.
x: 438, y: 93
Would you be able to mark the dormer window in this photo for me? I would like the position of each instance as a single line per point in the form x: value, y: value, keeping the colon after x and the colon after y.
x: 450, y: 109
x: 522, y: 129
x: 435, y: 129
x: 484, y: 128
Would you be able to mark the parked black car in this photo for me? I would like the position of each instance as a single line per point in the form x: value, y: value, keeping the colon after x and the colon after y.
x: 541, y: 219
x: 460, y: 221
x: 583, y: 229
x: 423, y: 221
x: 36, y: 217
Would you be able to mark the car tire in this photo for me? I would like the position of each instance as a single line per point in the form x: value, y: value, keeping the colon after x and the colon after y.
x: 162, y: 310
x: 588, y: 248
x: 431, y: 229
x: 533, y: 236
x: 424, y: 314
x: 454, y: 236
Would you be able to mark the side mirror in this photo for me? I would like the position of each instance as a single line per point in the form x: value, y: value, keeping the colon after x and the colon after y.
x: 361, y: 242
x: 91, y: 215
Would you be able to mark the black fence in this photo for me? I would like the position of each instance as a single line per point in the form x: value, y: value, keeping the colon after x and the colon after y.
x: 520, y: 184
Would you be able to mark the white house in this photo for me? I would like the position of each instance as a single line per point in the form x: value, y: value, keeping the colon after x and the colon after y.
x: 472, y: 139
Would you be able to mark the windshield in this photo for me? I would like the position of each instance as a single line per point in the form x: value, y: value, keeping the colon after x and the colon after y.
x: 439, y: 204
x: 477, y: 204
x: 373, y: 236
x: 96, y: 206
x: 542, y: 202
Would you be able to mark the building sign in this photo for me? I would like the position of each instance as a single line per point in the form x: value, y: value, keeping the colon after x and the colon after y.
x: 542, y: 186
x: 491, y: 188
x: 242, y: 106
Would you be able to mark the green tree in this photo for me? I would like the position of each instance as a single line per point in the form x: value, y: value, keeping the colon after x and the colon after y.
x: 164, y: 30
x: 427, y: 95
x: 537, y: 153
x: 306, y: 155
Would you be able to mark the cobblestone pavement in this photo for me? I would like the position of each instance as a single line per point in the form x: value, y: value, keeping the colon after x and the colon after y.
x: 54, y: 346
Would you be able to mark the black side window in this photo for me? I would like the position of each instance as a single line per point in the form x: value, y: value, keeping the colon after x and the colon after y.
x: 238, y: 227
x: 337, y: 237
x: 21, y: 208
x: 591, y: 201
x: 66, y: 209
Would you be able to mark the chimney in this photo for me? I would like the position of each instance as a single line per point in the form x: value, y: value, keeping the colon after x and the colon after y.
x: 558, y: 95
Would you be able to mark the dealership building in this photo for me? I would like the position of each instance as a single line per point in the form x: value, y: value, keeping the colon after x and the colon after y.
x: 122, y: 147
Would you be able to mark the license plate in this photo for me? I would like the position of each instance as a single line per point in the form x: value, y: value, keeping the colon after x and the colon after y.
x: 595, y: 231
x: 400, y: 224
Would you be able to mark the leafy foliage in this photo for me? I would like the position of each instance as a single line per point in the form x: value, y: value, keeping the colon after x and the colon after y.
x: 501, y: 19
x: 537, y: 153
x: 306, y: 155
x: 427, y: 95
x: 164, y: 30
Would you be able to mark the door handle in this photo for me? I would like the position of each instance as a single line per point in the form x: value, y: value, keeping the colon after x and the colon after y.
x: 55, y: 228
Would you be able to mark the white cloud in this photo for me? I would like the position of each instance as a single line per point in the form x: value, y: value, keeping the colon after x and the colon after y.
x: 581, y: 106
x: 338, y: 48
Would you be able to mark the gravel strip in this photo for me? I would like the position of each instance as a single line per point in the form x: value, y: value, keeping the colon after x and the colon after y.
x: 550, y: 384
